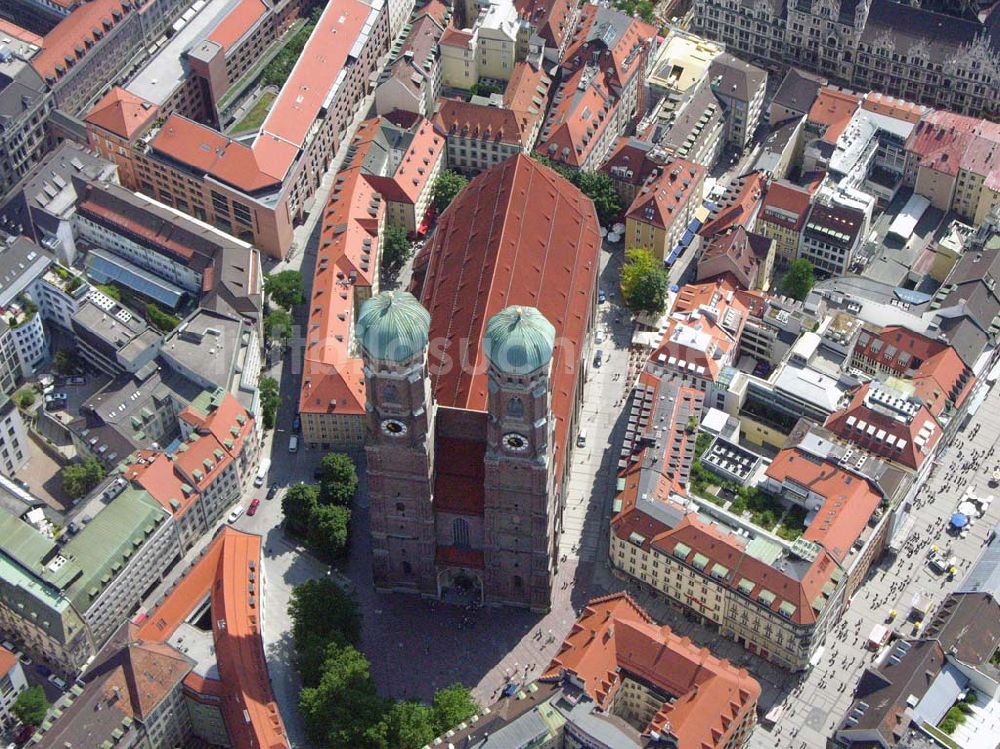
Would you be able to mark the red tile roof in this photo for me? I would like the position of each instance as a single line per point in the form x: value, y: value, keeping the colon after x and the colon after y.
x: 415, y: 167
x: 615, y: 640
x: 228, y: 571
x: 122, y: 113
x: 549, y: 18
x: 947, y: 142
x: 155, y: 473
x: 13, y: 30
x: 629, y: 161
x: 237, y: 23
x: 887, y: 423
x: 662, y: 199
x: 832, y: 110
x: 323, y: 59
x: 434, y: 9
x: 785, y: 205
x: 7, y: 661
x: 452, y: 37
x: 518, y: 234
x: 283, y: 133
x: 937, y: 371
x: 590, y: 93
x: 73, y: 37
x: 848, y: 500
x: 890, y: 106
x: 739, y: 205
x: 735, y: 254
x: 208, y: 151
x: 481, y: 122
x: 703, y: 330
x: 332, y: 378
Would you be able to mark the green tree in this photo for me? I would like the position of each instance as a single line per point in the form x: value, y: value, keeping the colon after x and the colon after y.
x: 321, y: 613
x: 80, y: 478
x: 278, y: 323
x: 407, y: 725
x: 599, y: 188
x: 798, y: 279
x: 276, y: 72
x: 644, y: 282
x: 285, y: 288
x: 344, y: 710
x: 299, y: 505
x: 25, y: 398
x: 452, y: 705
x: 162, y: 321
x: 270, y: 398
x: 64, y: 361
x: 396, y: 250
x: 110, y: 290
x: 483, y: 89
x: 338, y: 479
x: 31, y: 707
x: 328, y: 531
x: 447, y: 185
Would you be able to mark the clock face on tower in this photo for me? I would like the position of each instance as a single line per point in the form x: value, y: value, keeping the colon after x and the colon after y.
x: 515, y: 443
x: 393, y: 427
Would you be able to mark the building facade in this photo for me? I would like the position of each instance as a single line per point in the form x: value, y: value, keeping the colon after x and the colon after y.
x: 467, y: 464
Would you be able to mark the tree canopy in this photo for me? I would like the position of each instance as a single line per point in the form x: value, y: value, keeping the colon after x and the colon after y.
x: 285, y: 288
x: 279, y: 324
x: 599, y: 188
x: 343, y: 710
x: 396, y: 250
x: 31, y: 707
x: 324, y: 527
x: 328, y: 531
x: 644, y: 282
x: 798, y: 279
x: 339, y: 702
x: 162, y: 321
x: 595, y: 185
x: 447, y: 185
x: 298, y: 505
x: 338, y: 479
x: 321, y: 613
x: 80, y: 478
x: 270, y: 399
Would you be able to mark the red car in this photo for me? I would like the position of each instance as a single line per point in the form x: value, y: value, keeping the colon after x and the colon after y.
x: 252, y: 509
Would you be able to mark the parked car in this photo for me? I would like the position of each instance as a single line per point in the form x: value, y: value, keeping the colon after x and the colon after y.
x: 297, y: 424
x: 601, y: 296
x: 53, y: 679
x: 76, y: 380
x: 235, y: 514
x: 293, y: 443
x: 55, y: 401
x: 252, y: 509
x: 598, y: 358
x: 271, y: 491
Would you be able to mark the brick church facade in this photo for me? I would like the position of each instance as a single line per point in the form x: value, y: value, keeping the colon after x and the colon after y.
x: 474, y: 391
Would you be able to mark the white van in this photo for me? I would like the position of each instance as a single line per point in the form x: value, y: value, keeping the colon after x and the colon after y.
x: 293, y: 443
x: 581, y: 438
x: 265, y: 466
x: 235, y: 514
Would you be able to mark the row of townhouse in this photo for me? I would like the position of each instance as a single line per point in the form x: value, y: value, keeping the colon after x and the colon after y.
x: 869, y: 45
x: 64, y: 597
x: 256, y: 192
